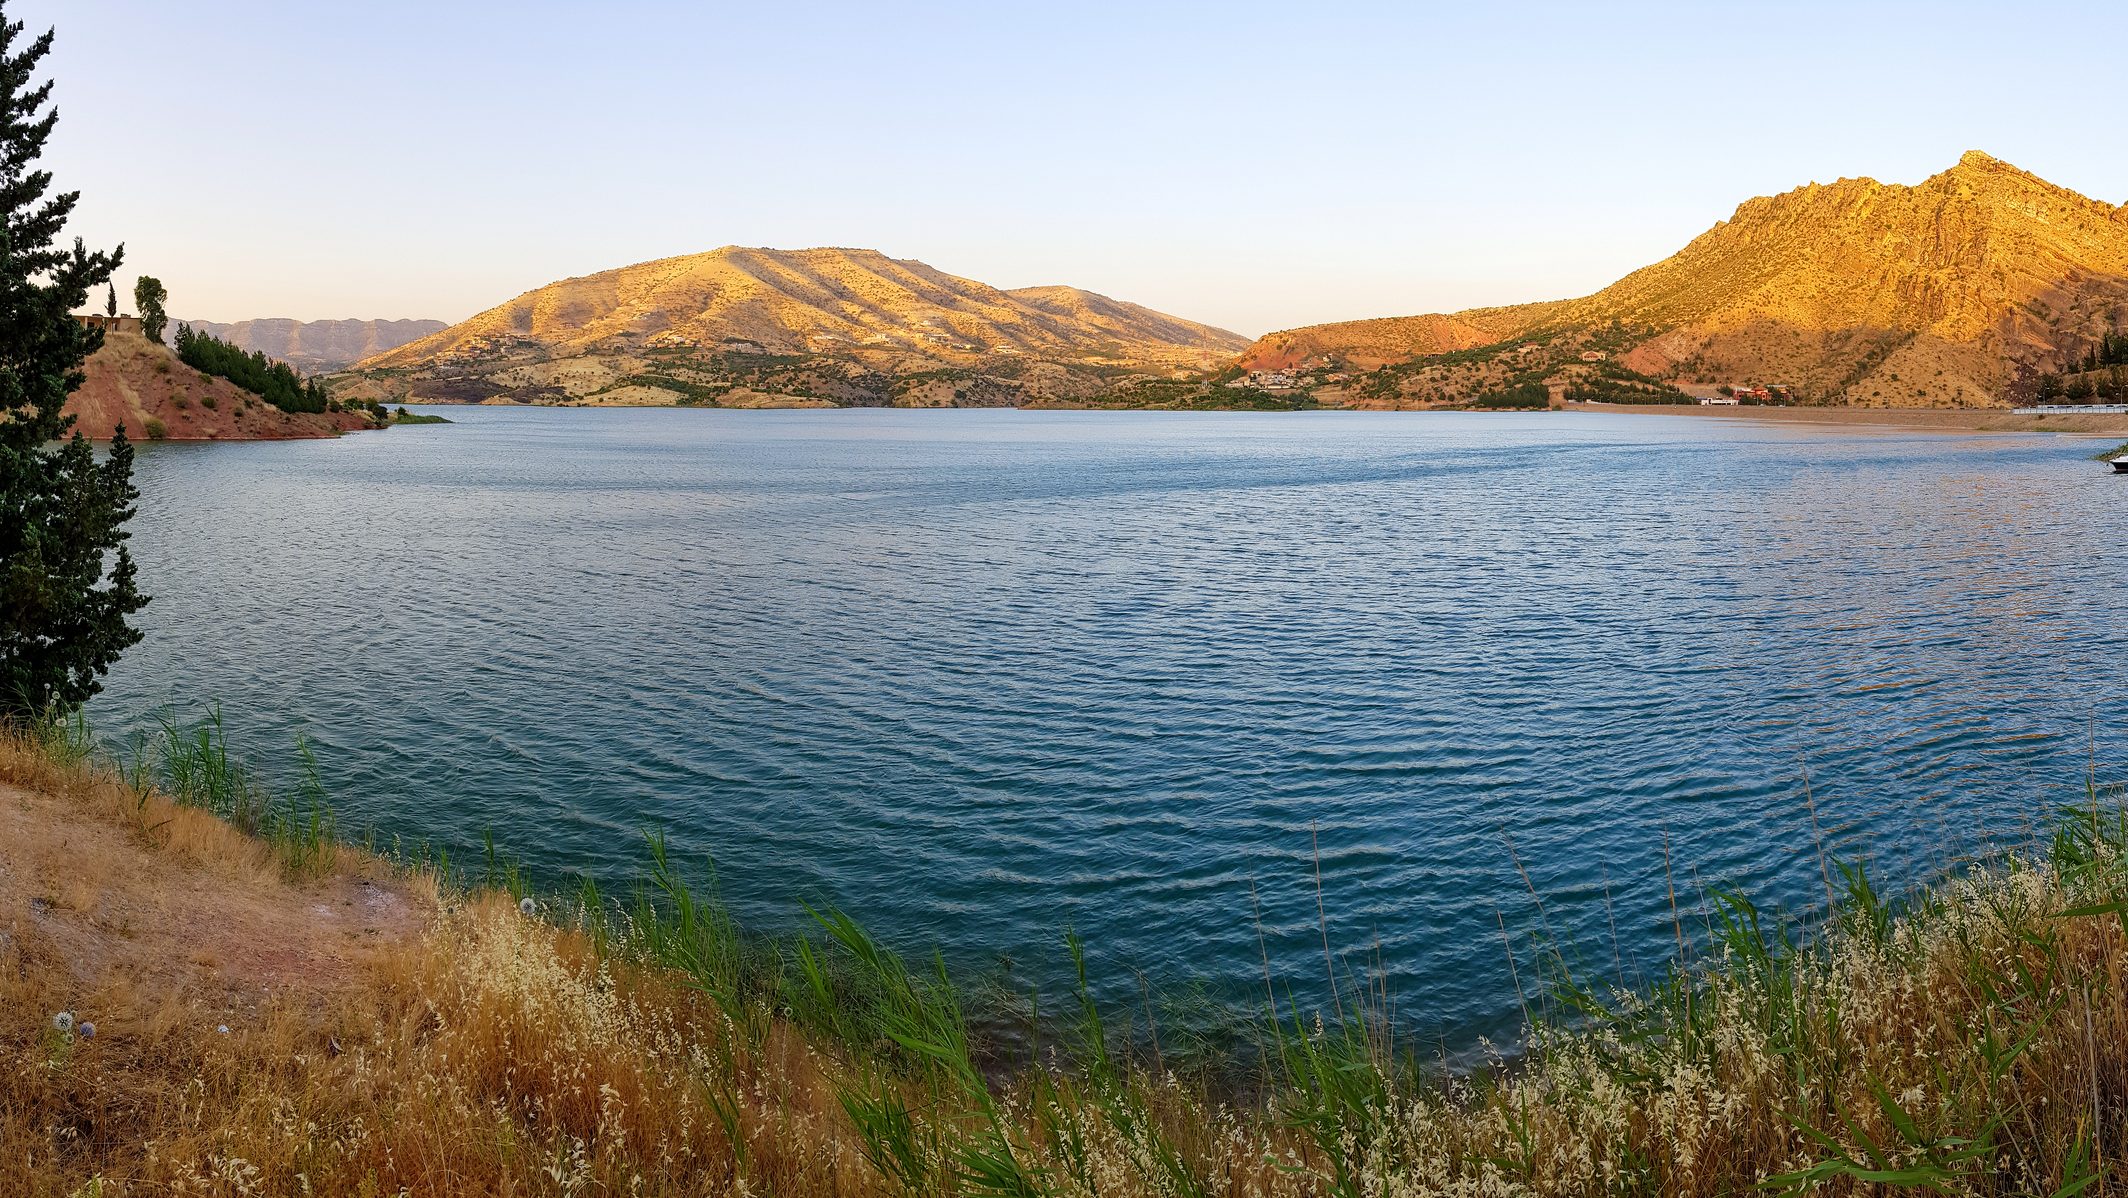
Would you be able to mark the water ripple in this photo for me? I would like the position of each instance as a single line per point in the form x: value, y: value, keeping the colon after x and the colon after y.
x: 980, y: 676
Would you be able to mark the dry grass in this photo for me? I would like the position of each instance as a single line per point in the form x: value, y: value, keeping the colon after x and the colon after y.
x: 1973, y: 1043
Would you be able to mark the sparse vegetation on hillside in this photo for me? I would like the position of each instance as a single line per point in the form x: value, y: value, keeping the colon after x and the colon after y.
x: 1581, y: 363
x: 1192, y: 395
x: 845, y: 327
x: 2099, y: 375
x: 1755, y: 298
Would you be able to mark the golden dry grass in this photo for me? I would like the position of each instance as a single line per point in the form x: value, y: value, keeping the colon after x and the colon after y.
x: 1976, y: 1044
x: 475, y: 1052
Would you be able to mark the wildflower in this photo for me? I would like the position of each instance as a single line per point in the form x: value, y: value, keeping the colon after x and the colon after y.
x: 223, y: 1029
x: 86, y: 1030
x: 63, y: 1022
x: 527, y: 908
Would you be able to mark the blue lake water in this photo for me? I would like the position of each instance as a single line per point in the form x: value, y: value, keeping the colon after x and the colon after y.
x: 978, y: 676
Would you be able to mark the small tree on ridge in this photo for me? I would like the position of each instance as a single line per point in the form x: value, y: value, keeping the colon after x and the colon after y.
x: 149, y: 296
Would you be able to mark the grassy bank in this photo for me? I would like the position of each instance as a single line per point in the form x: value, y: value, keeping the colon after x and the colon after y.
x: 1972, y: 1039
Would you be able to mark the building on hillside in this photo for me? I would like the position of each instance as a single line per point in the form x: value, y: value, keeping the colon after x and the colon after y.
x: 1271, y: 380
x: 112, y: 324
x: 1593, y: 355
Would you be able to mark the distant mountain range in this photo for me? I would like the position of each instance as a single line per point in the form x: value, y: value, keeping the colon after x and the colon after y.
x: 1961, y: 291
x: 318, y: 345
x: 1965, y: 290
x: 755, y: 327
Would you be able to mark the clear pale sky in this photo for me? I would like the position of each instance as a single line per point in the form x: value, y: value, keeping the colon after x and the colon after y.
x: 1255, y: 166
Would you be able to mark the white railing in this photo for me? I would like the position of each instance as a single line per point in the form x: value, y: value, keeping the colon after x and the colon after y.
x: 2076, y: 409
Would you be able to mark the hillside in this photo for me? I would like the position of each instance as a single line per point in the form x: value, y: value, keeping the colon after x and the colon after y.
x: 142, y: 385
x: 315, y: 345
x: 823, y: 326
x: 1959, y: 291
x: 1368, y: 344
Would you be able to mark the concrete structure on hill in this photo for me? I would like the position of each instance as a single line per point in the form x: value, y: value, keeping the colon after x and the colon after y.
x: 112, y: 324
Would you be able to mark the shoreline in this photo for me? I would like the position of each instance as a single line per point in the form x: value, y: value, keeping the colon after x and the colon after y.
x: 1954, y: 420
x: 210, y: 993
x: 1946, y: 420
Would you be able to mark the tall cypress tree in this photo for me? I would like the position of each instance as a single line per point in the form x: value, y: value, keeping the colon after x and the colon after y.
x: 66, y: 580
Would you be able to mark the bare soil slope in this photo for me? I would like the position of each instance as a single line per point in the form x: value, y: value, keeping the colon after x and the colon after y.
x: 142, y: 385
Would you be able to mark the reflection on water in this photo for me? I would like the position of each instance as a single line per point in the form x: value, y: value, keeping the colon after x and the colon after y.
x: 982, y: 675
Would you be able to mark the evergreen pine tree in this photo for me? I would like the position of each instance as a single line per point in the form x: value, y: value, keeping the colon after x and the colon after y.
x: 66, y: 580
x: 110, y: 301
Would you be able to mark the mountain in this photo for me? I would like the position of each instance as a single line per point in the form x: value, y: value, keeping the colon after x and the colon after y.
x: 142, y: 385
x: 315, y: 345
x: 817, y: 326
x: 1959, y: 291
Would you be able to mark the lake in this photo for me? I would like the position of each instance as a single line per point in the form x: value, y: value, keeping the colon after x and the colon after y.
x: 980, y: 676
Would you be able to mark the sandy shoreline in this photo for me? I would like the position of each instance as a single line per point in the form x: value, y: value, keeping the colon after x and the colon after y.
x: 1979, y: 420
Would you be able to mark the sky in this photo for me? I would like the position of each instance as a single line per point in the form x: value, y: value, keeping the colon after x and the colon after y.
x: 1253, y: 166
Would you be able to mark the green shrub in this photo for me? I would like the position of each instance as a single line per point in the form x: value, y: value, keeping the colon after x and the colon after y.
x: 1524, y: 395
x: 156, y: 431
x: 275, y: 382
